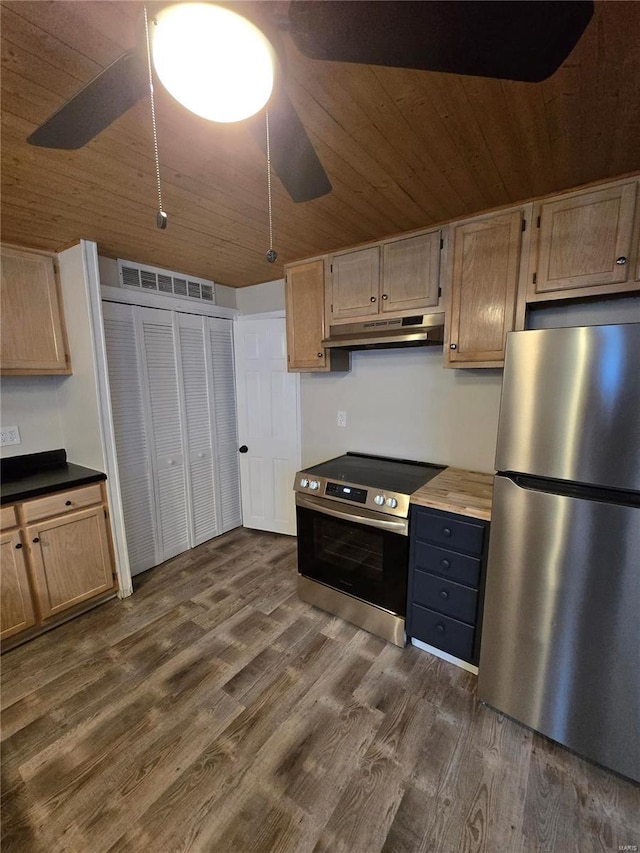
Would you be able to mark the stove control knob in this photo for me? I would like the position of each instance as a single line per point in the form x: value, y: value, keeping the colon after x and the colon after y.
x: 392, y: 503
x: 304, y: 483
x: 379, y: 500
x: 314, y: 484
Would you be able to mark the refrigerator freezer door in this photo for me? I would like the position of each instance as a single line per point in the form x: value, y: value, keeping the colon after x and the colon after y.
x: 571, y: 405
x: 561, y: 634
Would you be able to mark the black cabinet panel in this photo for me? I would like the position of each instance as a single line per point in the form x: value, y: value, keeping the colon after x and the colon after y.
x: 448, y: 554
x: 445, y: 529
x: 446, y: 597
x: 443, y: 632
x: 449, y: 564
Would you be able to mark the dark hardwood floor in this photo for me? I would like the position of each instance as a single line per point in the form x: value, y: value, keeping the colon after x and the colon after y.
x: 213, y: 711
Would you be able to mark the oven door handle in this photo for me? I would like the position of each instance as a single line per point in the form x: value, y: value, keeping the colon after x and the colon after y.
x: 364, y: 516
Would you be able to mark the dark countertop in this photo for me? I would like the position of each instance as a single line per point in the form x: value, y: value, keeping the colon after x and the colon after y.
x: 36, y: 474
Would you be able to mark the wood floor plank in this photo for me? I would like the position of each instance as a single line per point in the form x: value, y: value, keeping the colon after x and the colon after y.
x: 214, y: 712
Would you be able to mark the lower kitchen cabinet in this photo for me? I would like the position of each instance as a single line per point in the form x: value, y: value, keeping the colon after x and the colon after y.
x: 446, y: 581
x: 56, y: 560
x: 16, y: 606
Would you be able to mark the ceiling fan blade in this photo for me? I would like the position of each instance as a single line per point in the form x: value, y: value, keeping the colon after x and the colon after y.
x: 293, y: 157
x: 96, y: 106
x: 523, y: 40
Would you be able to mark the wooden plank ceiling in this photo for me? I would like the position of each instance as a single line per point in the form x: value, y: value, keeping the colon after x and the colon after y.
x: 403, y: 149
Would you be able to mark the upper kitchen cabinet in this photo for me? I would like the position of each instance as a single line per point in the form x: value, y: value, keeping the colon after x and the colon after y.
x: 355, y: 284
x: 486, y: 285
x: 305, y: 310
x: 411, y: 273
x: 33, y: 338
x: 584, y: 244
x: 396, y: 277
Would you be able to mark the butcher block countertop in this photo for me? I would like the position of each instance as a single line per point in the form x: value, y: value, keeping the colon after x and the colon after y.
x: 454, y: 490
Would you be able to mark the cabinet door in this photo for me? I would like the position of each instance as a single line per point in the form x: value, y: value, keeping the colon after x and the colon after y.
x: 32, y: 338
x: 355, y: 279
x: 411, y: 273
x: 484, y: 285
x: 584, y: 242
x: 71, y: 559
x: 305, y: 317
x: 16, y: 607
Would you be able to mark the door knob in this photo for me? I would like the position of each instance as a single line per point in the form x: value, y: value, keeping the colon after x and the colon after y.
x: 243, y: 449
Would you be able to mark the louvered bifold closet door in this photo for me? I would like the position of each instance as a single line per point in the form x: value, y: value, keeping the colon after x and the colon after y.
x: 199, y: 441
x: 134, y: 459
x: 225, y: 420
x: 166, y: 428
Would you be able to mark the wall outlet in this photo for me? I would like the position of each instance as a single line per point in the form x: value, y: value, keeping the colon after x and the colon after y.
x: 341, y: 419
x: 9, y: 435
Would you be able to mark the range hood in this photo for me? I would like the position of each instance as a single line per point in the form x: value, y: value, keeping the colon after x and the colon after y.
x: 421, y: 330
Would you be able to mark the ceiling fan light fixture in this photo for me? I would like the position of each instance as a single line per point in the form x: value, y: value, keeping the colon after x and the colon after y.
x: 214, y: 62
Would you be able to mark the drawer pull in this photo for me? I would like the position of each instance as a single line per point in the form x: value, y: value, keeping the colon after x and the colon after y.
x: 440, y: 628
x: 19, y: 545
x: 37, y: 539
x: 444, y: 594
x: 445, y: 564
x: 67, y: 503
x: 446, y: 531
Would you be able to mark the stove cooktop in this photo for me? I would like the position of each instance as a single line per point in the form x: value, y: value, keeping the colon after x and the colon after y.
x: 401, y: 476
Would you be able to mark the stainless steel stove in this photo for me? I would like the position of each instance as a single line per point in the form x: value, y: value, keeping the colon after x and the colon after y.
x: 353, y: 546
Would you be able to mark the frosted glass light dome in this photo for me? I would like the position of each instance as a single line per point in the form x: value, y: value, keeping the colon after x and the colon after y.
x: 214, y: 62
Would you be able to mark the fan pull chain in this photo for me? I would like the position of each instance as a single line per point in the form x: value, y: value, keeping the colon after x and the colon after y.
x: 271, y: 255
x: 161, y: 216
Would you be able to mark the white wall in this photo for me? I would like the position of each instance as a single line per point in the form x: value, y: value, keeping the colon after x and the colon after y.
x: 404, y: 403
x: 78, y: 393
x: 225, y: 296
x: 31, y: 404
x: 260, y: 298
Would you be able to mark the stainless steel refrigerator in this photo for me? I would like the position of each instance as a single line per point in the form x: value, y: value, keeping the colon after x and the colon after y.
x: 561, y: 629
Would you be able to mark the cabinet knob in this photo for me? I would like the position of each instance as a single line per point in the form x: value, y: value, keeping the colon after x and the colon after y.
x: 445, y: 564
x: 444, y: 594
x: 384, y: 296
x: 67, y: 503
x: 446, y: 531
x: 373, y: 299
x: 36, y: 539
x: 320, y: 355
x: 19, y: 545
x: 440, y: 628
x: 453, y: 346
x: 621, y: 261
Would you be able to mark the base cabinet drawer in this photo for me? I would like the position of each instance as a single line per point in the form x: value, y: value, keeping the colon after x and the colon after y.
x: 442, y: 529
x: 446, y: 597
x: 443, y: 632
x: 61, y: 502
x: 448, y: 564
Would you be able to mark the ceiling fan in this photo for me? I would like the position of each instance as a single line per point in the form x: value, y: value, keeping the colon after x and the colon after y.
x: 526, y: 40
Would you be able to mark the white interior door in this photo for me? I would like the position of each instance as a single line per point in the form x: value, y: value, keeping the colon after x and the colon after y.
x: 268, y: 424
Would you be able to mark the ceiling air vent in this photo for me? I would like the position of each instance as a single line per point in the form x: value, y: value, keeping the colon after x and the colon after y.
x: 165, y: 282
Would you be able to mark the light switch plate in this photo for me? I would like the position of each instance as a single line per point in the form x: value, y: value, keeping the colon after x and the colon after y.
x: 9, y: 435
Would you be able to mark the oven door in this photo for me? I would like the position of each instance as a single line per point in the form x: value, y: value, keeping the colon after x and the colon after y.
x: 354, y: 550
